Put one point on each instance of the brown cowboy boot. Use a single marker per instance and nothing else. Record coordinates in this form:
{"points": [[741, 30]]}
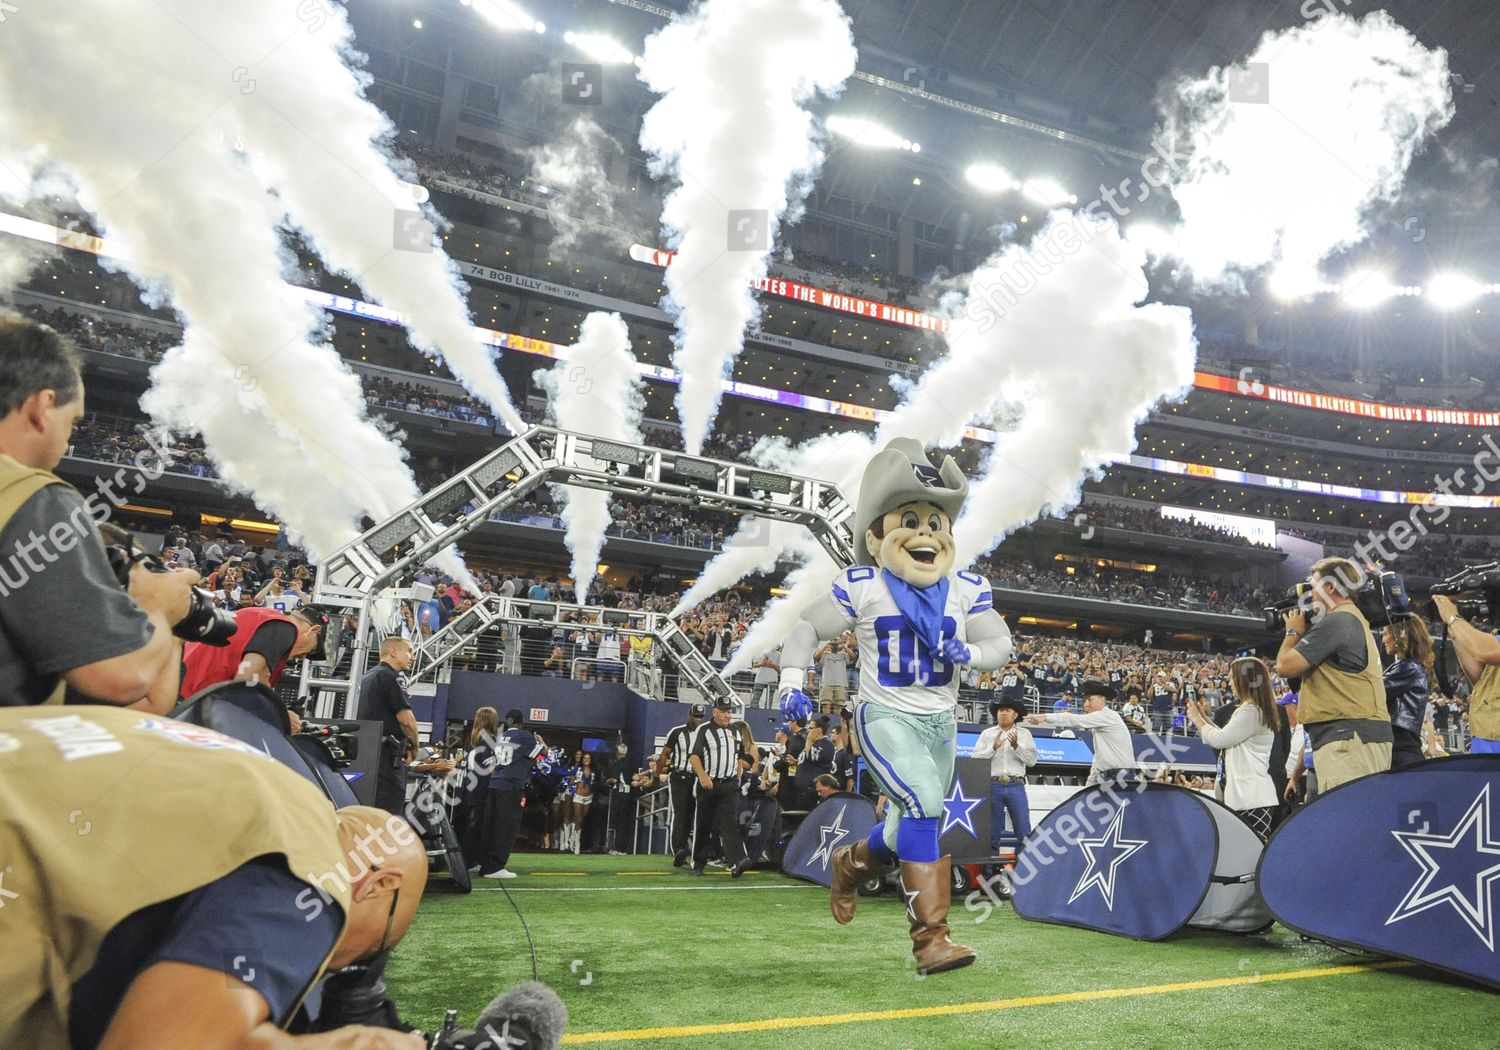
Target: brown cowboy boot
{"points": [[851, 865], [929, 888]]}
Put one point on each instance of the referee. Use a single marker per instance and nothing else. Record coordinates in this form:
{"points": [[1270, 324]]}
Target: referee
{"points": [[675, 751], [715, 756]]}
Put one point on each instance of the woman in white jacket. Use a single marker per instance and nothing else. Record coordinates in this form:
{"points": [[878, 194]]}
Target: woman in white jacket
{"points": [[1246, 742]]}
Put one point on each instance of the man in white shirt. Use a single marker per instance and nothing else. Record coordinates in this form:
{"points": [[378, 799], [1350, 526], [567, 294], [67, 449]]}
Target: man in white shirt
{"points": [[767, 675], [1134, 712], [1113, 751], [1011, 751]]}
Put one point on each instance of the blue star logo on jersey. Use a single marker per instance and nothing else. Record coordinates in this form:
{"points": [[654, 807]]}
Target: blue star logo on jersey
{"points": [[1105, 855], [958, 810], [1452, 867], [832, 834]]}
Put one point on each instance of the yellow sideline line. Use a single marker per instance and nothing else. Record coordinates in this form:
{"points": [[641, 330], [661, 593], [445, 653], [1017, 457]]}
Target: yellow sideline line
{"points": [[824, 1020]]}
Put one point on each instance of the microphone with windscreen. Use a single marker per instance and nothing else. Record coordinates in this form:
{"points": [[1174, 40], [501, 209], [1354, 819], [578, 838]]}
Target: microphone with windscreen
{"points": [[529, 1016]]}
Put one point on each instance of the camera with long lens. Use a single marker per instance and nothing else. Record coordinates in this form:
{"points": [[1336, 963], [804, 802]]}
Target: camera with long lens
{"points": [[205, 622], [1480, 584], [1382, 599], [338, 739]]}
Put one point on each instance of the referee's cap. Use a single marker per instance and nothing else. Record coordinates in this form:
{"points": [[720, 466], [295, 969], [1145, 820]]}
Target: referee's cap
{"points": [[723, 704], [697, 711]]}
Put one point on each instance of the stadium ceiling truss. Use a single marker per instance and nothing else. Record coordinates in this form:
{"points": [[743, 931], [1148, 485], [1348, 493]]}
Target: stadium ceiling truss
{"points": [[354, 576]]}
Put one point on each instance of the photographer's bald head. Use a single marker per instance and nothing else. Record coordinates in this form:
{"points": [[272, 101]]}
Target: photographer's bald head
{"points": [[174, 887]]}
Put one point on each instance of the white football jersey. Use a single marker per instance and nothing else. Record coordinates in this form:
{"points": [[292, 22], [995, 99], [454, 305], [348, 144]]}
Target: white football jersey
{"points": [[895, 669]]}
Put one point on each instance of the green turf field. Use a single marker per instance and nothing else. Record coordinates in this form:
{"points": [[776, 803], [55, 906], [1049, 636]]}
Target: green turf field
{"points": [[632, 944]]}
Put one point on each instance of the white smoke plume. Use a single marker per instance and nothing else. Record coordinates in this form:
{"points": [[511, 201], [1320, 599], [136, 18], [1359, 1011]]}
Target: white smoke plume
{"points": [[595, 389], [572, 168], [731, 130], [1058, 326], [147, 122], [1081, 350], [1290, 149]]}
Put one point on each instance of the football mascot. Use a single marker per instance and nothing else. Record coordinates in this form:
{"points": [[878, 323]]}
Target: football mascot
{"points": [[916, 625]]}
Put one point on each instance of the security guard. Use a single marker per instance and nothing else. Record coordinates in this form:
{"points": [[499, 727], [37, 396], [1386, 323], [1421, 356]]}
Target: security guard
{"points": [[141, 909], [674, 756], [382, 698]]}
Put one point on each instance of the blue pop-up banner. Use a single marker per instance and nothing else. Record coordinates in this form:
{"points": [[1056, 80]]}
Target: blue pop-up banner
{"points": [[1404, 863]]}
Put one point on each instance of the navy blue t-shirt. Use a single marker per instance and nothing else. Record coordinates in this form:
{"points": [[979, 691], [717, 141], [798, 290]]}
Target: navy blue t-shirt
{"points": [[258, 924], [817, 760], [514, 750]]}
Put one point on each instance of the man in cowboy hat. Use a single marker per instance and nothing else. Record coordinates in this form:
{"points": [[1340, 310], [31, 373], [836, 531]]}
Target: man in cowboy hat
{"points": [[915, 626], [1011, 751], [1113, 751]]}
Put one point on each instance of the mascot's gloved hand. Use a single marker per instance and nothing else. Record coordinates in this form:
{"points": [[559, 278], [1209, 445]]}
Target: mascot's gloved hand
{"points": [[795, 706], [956, 652]]}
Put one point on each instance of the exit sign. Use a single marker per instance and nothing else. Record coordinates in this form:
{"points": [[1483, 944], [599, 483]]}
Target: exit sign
{"points": [[538, 714]]}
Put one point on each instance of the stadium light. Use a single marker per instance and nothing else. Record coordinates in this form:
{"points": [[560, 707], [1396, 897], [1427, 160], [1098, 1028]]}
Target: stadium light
{"points": [[1295, 282], [1447, 290], [990, 178], [505, 15], [1047, 193], [601, 48], [1367, 289], [867, 133]]}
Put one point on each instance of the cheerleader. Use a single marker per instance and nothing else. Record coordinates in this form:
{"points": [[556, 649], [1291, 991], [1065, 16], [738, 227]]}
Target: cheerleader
{"points": [[577, 801]]}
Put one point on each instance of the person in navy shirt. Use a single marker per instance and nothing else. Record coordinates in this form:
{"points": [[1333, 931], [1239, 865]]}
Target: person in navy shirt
{"points": [[515, 749]]}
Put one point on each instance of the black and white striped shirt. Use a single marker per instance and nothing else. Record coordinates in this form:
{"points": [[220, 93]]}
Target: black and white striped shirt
{"points": [[679, 744], [719, 747]]}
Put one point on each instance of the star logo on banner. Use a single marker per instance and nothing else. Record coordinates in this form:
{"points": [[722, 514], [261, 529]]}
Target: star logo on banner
{"points": [[1105, 855], [833, 834], [958, 810], [1451, 866]]}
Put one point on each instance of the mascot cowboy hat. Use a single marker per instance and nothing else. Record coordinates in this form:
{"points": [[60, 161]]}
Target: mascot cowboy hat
{"points": [[901, 473]]}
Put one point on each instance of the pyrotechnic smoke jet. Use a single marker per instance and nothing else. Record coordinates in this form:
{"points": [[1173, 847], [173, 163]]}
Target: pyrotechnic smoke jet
{"points": [[731, 129], [1288, 152], [192, 133], [595, 389], [1059, 326]]}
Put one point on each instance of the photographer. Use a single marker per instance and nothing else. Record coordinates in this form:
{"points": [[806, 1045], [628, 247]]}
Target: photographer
{"points": [[116, 647], [263, 643], [1342, 697], [1479, 653], [186, 922]]}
